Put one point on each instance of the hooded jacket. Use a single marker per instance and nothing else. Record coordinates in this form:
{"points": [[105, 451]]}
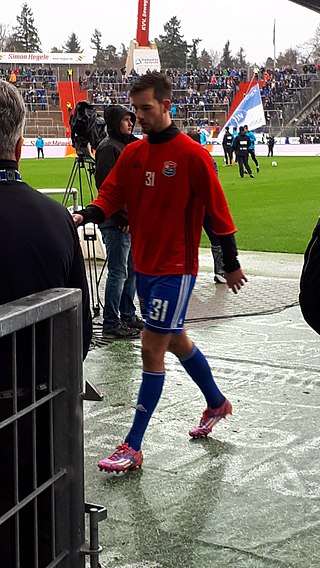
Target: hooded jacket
{"points": [[109, 151]]}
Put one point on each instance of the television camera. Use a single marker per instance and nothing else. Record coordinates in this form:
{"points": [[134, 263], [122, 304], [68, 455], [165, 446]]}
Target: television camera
{"points": [[87, 129]]}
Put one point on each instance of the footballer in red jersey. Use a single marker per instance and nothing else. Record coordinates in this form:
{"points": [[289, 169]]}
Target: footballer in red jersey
{"points": [[166, 180]]}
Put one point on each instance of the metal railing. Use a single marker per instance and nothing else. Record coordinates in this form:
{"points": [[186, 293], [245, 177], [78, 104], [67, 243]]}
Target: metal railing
{"points": [[47, 131], [42, 507]]}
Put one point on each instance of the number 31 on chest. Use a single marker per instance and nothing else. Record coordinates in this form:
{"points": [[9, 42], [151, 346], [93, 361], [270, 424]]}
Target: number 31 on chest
{"points": [[150, 178]]}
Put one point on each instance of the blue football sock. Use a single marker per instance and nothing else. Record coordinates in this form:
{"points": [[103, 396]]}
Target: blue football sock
{"points": [[148, 397], [198, 368]]}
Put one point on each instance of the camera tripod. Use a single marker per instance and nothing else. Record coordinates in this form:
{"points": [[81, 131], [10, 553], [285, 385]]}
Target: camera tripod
{"points": [[82, 172]]}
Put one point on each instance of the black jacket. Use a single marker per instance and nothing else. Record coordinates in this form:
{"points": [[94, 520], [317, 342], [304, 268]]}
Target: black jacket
{"points": [[241, 144], [227, 140], [271, 142], [108, 153], [40, 249]]}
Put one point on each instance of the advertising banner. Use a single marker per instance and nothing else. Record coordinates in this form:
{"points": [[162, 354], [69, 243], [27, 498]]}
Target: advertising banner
{"points": [[143, 23], [53, 148], [146, 60], [14, 57]]}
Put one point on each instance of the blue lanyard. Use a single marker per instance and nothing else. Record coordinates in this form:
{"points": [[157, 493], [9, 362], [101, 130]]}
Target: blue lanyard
{"points": [[10, 175]]}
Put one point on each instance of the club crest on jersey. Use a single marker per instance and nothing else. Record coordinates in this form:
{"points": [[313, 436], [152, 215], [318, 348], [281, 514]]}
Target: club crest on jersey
{"points": [[169, 169]]}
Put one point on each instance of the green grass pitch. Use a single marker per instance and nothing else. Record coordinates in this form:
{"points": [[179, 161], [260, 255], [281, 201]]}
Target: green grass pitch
{"points": [[274, 212]]}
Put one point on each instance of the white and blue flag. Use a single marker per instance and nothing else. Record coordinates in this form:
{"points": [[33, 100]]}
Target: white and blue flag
{"points": [[250, 112]]}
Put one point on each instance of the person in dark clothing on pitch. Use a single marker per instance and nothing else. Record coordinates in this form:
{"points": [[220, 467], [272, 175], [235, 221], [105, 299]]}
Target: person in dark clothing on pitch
{"points": [[270, 145], [251, 149], [40, 250], [227, 146], [234, 135], [119, 315], [241, 145]]}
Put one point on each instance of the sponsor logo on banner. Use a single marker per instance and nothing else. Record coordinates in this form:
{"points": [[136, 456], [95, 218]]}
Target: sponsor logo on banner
{"points": [[146, 60]]}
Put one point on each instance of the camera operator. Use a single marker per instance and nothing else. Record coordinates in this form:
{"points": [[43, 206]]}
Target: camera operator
{"points": [[119, 314]]}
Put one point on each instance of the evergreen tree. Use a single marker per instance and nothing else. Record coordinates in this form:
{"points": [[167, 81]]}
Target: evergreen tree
{"points": [[25, 35], [194, 58], [240, 59], [171, 45], [72, 44], [111, 55], [205, 60], [226, 59]]}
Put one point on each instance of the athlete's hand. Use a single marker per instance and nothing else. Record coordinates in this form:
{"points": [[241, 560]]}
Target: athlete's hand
{"points": [[77, 218], [236, 279]]}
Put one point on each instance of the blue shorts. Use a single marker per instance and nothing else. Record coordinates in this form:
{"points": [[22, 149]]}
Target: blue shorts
{"points": [[164, 300]]}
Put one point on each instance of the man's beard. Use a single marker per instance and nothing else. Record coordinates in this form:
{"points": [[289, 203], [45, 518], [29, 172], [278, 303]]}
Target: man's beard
{"points": [[146, 128]]}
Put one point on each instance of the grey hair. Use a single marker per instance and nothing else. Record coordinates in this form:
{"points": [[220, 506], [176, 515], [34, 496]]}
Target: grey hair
{"points": [[12, 118]]}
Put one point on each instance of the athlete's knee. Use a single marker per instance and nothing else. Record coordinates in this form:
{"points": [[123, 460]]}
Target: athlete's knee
{"points": [[153, 351], [152, 358], [180, 345]]}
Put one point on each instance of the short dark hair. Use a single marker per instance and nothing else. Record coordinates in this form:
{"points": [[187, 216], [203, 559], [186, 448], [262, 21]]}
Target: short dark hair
{"points": [[159, 82]]}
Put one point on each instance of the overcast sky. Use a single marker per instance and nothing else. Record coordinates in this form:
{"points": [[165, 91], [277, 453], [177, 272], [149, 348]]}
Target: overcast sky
{"points": [[245, 24]]}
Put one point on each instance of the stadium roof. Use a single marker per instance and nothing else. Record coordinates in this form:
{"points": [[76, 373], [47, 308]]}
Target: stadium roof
{"points": [[311, 4]]}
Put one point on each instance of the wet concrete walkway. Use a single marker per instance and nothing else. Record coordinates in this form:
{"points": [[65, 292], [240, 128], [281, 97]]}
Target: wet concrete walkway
{"points": [[247, 497]]}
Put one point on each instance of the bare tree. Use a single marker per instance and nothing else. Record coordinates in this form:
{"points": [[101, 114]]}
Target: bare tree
{"points": [[287, 58], [309, 51], [215, 57], [5, 34]]}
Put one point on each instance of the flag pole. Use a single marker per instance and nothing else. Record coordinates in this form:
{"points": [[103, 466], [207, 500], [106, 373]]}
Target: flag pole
{"points": [[274, 44]]}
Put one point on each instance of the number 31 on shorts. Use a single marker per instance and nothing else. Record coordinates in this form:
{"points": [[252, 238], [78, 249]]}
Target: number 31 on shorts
{"points": [[159, 309]]}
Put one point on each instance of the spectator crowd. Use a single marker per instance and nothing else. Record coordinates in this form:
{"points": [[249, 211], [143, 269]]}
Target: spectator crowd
{"points": [[200, 96]]}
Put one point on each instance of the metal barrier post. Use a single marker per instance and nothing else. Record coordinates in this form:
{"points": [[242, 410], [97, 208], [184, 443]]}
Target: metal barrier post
{"points": [[96, 515], [61, 191], [52, 511]]}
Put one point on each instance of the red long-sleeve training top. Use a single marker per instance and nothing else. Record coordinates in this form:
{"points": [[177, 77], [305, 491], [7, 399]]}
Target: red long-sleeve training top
{"points": [[166, 187]]}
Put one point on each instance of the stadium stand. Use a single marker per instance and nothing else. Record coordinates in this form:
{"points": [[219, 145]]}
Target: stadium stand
{"points": [[201, 97], [288, 96], [39, 89]]}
